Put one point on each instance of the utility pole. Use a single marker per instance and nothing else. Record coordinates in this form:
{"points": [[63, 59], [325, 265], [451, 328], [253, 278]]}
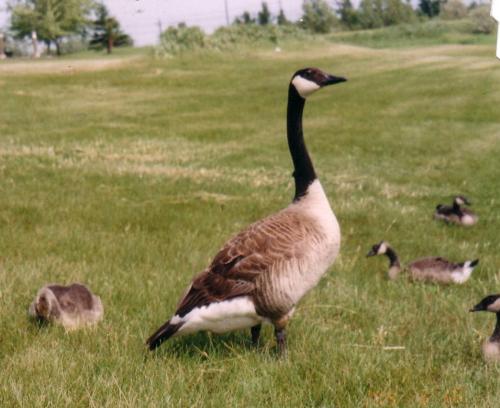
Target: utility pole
{"points": [[2, 46], [160, 29], [227, 12]]}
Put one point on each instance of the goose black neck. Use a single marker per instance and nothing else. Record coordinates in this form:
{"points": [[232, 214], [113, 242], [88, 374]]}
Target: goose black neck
{"points": [[303, 170], [393, 257], [456, 208], [496, 333]]}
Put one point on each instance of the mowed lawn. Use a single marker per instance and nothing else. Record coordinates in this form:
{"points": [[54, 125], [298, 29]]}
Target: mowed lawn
{"points": [[129, 174]]}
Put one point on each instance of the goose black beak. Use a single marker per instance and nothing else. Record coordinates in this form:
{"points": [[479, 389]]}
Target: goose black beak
{"points": [[371, 253], [477, 308], [331, 80]]}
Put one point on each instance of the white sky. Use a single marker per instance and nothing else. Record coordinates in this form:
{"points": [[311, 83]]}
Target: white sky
{"points": [[140, 18]]}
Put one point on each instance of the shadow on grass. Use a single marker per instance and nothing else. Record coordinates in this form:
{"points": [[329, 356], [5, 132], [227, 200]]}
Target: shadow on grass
{"points": [[205, 345]]}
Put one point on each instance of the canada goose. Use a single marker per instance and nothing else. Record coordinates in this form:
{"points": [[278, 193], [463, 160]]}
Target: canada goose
{"points": [[432, 269], [456, 213], [491, 347], [261, 273], [71, 306]]}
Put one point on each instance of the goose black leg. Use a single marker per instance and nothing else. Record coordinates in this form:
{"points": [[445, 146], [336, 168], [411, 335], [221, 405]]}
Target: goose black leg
{"points": [[281, 340], [256, 334]]}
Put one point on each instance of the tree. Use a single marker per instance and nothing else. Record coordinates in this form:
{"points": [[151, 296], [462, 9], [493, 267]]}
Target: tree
{"points": [[348, 15], [264, 16], [318, 16], [397, 12], [49, 20], [107, 31], [371, 14], [430, 8], [453, 10], [481, 20], [281, 19], [245, 18]]}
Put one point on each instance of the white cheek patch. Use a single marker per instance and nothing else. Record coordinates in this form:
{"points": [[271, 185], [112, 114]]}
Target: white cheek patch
{"points": [[382, 249], [495, 306], [304, 87]]}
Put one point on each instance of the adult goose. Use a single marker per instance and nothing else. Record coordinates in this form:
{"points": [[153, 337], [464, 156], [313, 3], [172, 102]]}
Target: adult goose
{"points": [[71, 306], [491, 347], [432, 269], [261, 273], [456, 213]]}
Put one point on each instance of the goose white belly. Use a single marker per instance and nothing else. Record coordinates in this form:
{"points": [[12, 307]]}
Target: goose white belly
{"points": [[467, 219], [220, 317], [491, 351]]}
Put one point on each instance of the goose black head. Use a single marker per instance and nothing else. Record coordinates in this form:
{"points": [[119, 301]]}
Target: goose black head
{"points": [[490, 303], [378, 249], [461, 200], [308, 80]]}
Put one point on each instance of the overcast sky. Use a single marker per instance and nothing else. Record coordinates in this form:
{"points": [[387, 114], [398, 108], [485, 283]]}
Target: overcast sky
{"points": [[142, 18]]}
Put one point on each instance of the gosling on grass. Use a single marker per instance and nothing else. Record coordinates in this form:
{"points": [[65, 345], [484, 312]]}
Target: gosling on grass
{"points": [[456, 213], [72, 306], [431, 269], [491, 347]]}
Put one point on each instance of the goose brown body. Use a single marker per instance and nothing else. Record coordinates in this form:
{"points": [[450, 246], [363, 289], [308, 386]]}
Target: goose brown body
{"points": [[269, 261], [434, 269]]}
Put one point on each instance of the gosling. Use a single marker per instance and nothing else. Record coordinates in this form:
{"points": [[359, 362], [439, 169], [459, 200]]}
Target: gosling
{"points": [[432, 269], [456, 213], [72, 306], [491, 347]]}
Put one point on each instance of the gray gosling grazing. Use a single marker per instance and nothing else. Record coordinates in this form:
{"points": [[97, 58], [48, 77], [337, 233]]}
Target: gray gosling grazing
{"points": [[456, 213], [432, 269], [262, 273], [71, 306], [491, 347]]}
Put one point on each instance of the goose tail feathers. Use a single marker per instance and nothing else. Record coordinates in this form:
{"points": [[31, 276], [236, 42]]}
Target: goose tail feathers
{"points": [[163, 333], [472, 264]]}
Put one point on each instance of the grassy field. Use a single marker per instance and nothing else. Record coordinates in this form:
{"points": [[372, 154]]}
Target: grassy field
{"points": [[129, 175]]}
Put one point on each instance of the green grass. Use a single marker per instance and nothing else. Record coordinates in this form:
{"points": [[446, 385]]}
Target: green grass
{"points": [[129, 177]]}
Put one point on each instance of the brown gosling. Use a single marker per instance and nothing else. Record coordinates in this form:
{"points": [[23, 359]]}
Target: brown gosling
{"points": [[456, 213], [491, 347], [72, 306], [431, 269]]}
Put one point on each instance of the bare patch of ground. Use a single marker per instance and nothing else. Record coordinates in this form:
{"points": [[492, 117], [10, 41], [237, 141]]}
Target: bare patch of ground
{"points": [[67, 67]]}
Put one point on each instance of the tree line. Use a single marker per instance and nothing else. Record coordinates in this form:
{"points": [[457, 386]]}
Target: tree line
{"points": [[55, 22], [321, 16]]}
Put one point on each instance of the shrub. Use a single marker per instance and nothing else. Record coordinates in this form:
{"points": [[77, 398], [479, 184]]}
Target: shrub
{"points": [[231, 37], [453, 10], [318, 16], [175, 40], [481, 20]]}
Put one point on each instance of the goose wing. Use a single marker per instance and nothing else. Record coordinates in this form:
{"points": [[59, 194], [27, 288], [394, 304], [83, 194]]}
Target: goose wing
{"points": [[253, 252], [445, 210], [434, 263]]}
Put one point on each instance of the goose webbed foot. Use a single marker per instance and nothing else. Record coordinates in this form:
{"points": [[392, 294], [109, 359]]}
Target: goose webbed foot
{"points": [[255, 330]]}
